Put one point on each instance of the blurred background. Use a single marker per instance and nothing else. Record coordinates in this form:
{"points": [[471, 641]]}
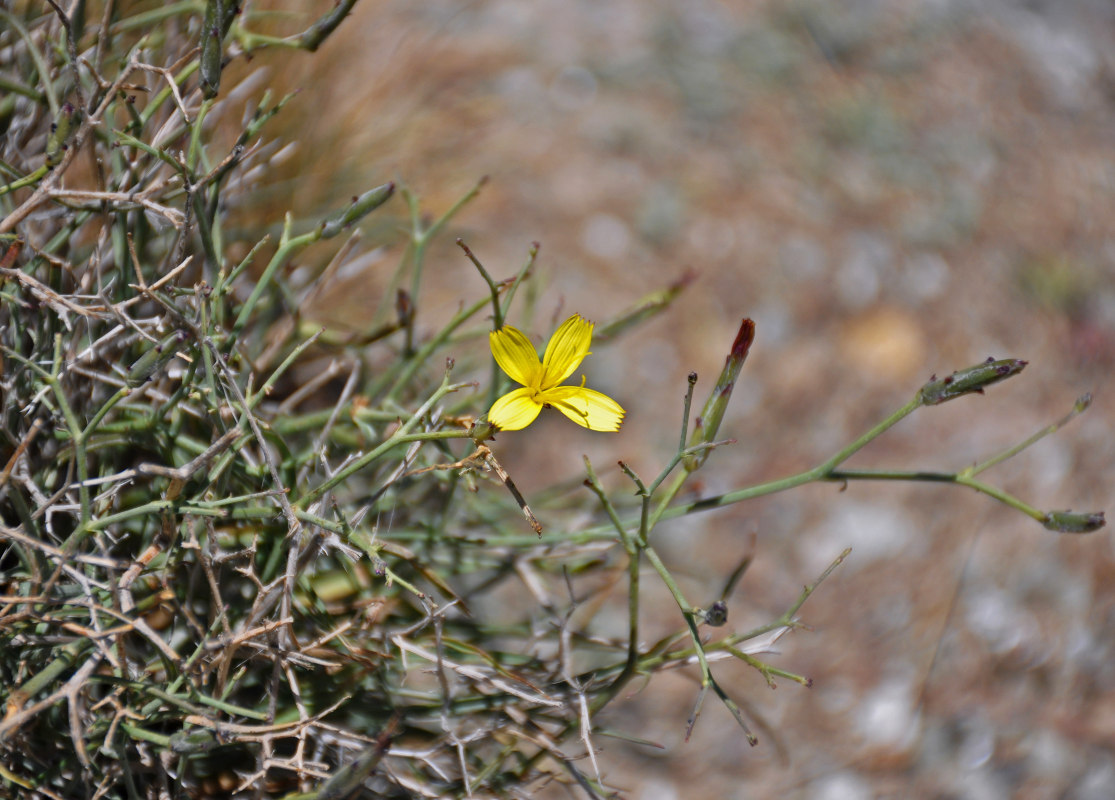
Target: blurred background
{"points": [[891, 189]]}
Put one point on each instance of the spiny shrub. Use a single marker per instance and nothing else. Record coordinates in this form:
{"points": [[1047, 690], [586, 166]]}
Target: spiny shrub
{"points": [[239, 555]]}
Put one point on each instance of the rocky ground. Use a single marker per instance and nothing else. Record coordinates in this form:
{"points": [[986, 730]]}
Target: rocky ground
{"points": [[891, 190]]}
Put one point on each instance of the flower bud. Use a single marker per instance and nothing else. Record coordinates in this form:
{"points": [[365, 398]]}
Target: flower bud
{"points": [[361, 206], [968, 381], [704, 430], [481, 430], [197, 740], [64, 126], [155, 358], [717, 614], [214, 27], [209, 65], [1073, 522]]}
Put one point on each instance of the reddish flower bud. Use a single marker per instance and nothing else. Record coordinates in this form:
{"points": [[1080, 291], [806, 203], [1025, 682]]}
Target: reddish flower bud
{"points": [[704, 431]]}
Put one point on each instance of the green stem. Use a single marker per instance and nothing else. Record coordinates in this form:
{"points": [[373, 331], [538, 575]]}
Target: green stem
{"points": [[422, 356], [145, 19], [287, 246], [420, 239], [823, 471], [40, 680], [36, 58], [289, 361], [958, 478], [26, 180], [493, 289], [787, 619], [1078, 408], [401, 436]]}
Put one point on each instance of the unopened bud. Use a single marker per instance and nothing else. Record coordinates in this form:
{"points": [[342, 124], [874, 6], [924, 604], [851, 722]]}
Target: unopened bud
{"points": [[404, 307], [209, 66], [361, 206], [970, 380], [1073, 522], [195, 741], [346, 781], [214, 27], [64, 126], [704, 431], [481, 431], [717, 614], [155, 358]]}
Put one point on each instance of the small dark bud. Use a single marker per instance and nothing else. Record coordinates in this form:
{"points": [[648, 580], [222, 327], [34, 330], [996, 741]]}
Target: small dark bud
{"points": [[1071, 522], [969, 381], [404, 308], [717, 614], [692, 378]]}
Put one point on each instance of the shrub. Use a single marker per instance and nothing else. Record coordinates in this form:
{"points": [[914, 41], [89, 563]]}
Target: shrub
{"points": [[239, 555]]}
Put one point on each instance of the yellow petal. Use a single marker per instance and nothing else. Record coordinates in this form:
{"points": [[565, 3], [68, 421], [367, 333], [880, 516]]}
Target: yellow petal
{"points": [[515, 410], [516, 356], [587, 407], [566, 350]]}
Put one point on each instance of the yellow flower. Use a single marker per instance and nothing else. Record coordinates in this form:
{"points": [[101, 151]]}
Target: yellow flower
{"points": [[540, 379]]}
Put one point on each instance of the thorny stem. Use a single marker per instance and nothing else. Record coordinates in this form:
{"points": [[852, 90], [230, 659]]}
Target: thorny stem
{"points": [[497, 314], [420, 358], [633, 549], [420, 239], [287, 246], [399, 437], [498, 311]]}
